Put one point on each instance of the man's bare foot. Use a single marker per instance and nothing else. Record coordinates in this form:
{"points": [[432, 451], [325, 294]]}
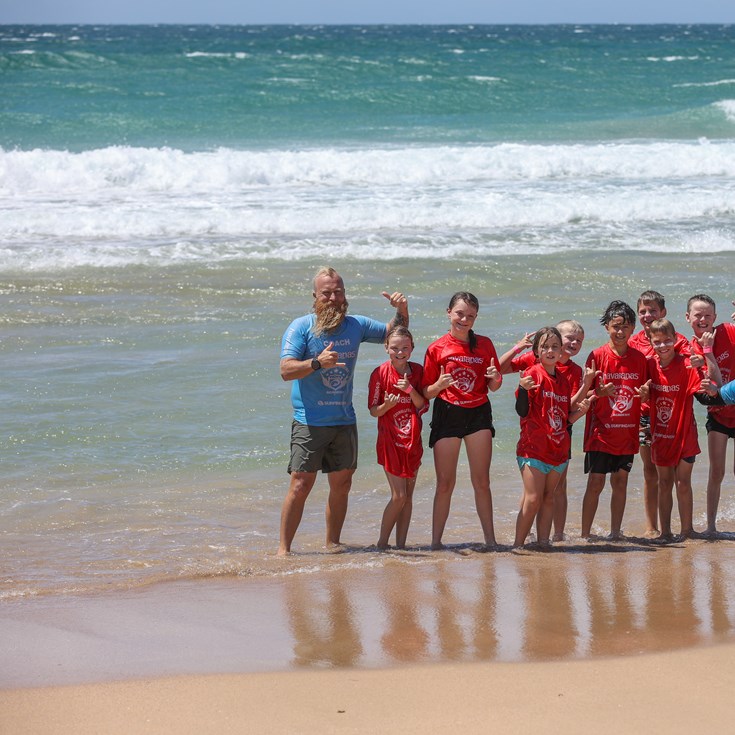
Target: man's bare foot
{"points": [[438, 546], [558, 537], [652, 533]]}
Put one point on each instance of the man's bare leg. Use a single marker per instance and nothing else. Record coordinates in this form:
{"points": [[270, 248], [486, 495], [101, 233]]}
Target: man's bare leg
{"points": [[293, 507], [340, 483]]}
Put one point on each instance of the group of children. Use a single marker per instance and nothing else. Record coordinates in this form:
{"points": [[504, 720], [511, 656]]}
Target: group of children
{"points": [[636, 391]]}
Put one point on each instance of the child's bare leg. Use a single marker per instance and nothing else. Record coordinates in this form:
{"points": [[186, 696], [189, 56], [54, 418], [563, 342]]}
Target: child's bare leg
{"points": [[393, 509], [560, 506], [534, 482], [479, 446], [650, 491], [717, 448], [404, 518], [684, 497], [619, 485], [546, 512], [665, 499], [446, 455], [595, 486]]}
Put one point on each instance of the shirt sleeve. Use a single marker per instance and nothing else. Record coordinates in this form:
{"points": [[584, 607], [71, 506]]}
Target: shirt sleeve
{"points": [[728, 392], [295, 339]]}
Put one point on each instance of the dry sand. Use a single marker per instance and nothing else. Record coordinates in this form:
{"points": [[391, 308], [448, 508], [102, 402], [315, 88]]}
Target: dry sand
{"points": [[679, 692], [600, 638]]}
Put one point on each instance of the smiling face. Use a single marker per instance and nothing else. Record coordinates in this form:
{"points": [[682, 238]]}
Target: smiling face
{"points": [[619, 330], [571, 341], [330, 302], [701, 316], [549, 351], [663, 341], [461, 319], [648, 312], [399, 350], [329, 289]]}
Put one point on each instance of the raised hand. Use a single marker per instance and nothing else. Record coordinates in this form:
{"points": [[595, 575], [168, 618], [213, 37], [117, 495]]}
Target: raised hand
{"points": [[492, 373], [707, 340], [397, 299], [404, 384], [644, 392], [329, 358], [444, 381], [695, 361], [524, 344], [390, 400], [708, 386], [527, 382], [590, 374], [585, 404], [606, 390]]}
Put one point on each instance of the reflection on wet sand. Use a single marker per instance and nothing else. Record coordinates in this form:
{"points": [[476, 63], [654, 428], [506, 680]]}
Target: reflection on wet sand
{"points": [[323, 623], [514, 606]]}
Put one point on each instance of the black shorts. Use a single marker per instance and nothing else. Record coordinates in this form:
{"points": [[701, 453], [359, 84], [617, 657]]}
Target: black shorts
{"points": [[449, 420], [603, 463], [714, 425]]}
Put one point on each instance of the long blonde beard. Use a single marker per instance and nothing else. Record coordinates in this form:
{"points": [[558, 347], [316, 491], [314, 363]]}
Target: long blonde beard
{"points": [[328, 316]]}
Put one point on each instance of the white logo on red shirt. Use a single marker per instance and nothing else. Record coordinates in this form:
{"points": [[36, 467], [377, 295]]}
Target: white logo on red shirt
{"points": [[556, 420], [664, 410], [465, 379], [402, 420], [622, 401]]}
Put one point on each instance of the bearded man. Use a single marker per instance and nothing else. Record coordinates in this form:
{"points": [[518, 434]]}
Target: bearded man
{"points": [[319, 353]]}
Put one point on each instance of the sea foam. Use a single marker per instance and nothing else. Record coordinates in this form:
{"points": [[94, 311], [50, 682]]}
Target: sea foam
{"points": [[117, 206]]}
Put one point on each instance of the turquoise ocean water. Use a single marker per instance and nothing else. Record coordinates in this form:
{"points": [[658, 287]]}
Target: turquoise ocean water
{"points": [[167, 192]]}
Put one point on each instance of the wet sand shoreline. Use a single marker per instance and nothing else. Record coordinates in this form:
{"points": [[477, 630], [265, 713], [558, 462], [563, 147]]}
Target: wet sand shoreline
{"points": [[589, 600]]}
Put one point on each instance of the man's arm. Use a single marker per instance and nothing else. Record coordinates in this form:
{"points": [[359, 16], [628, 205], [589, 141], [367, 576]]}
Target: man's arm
{"points": [[295, 369], [400, 303]]}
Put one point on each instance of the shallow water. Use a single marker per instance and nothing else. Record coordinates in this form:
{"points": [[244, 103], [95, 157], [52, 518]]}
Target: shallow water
{"points": [[162, 216]]}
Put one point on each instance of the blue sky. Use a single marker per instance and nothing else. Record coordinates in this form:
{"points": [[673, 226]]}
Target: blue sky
{"points": [[367, 11]]}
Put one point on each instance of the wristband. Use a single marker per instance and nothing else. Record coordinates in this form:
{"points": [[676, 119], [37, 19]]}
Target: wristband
{"points": [[707, 350], [517, 349], [407, 390]]}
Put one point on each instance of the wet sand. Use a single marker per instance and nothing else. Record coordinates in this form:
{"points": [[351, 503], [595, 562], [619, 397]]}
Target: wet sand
{"points": [[454, 637]]}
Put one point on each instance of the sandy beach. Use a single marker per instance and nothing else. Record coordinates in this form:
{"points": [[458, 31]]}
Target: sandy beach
{"points": [[667, 692], [609, 636]]}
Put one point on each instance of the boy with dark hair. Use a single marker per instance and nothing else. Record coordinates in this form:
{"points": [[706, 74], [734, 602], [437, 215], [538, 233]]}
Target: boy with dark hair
{"points": [[611, 429]]}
